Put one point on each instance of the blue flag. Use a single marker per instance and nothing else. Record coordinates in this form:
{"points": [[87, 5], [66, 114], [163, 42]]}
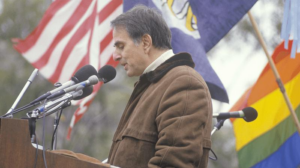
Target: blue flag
{"points": [[197, 26]]}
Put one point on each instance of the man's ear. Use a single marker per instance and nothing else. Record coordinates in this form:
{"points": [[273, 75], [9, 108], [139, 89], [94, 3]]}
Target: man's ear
{"points": [[147, 43]]}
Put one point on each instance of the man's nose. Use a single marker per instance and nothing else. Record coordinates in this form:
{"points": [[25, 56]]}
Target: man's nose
{"points": [[116, 56]]}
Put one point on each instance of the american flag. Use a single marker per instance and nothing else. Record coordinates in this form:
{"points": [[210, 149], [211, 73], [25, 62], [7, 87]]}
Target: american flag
{"points": [[71, 34]]}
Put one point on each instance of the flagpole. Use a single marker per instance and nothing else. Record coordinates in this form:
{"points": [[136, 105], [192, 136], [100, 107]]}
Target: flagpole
{"points": [[277, 76]]}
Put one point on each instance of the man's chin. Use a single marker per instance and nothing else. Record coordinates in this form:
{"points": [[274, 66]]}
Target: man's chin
{"points": [[130, 74]]}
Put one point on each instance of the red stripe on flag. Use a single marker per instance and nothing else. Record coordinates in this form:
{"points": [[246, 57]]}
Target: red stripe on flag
{"points": [[69, 133], [79, 114], [84, 61], [112, 62], [279, 54], [103, 14], [32, 38], [107, 39], [103, 44], [69, 25], [87, 25], [109, 9]]}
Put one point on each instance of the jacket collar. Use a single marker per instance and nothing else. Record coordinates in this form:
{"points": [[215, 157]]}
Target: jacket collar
{"points": [[177, 60]]}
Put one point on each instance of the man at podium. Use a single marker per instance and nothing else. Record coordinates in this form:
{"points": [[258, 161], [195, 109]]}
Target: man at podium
{"points": [[167, 120]]}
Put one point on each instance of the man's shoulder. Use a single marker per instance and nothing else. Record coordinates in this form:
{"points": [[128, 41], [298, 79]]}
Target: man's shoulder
{"points": [[184, 74], [183, 71]]}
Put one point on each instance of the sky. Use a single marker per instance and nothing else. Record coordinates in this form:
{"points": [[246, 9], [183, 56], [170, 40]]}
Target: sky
{"points": [[236, 62]]}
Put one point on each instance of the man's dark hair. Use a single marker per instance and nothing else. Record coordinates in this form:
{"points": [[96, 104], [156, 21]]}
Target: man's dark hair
{"points": [[141, 20]]}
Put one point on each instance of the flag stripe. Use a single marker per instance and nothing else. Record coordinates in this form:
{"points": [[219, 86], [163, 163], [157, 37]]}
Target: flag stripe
{"points": [[241, 103], [84, 61], [59, 28], [106, 41], [112, 62], [82, 31], [106, 49], [86, 102], [109, 9], [34, 35], [286, 75], [93, 51], [282, 132], [106, 53], [266, 121], [268, 77], [286, 156], [106, 37], [259, 90], [50, 33], [65, 30], [77, 59], [56, 55], [104, 27]]}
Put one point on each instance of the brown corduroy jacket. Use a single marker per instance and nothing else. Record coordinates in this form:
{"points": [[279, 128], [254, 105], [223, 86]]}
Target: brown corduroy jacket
{"points": [[167, 121]]}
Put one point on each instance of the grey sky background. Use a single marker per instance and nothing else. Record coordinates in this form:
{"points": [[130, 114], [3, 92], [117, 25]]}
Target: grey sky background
{"points": [[238, 62]]}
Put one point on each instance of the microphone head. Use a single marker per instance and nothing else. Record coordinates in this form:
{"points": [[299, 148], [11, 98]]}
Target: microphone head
{"points": [[250, 114], [86, 91], [107, 73], [84, 73], [93, 80]]}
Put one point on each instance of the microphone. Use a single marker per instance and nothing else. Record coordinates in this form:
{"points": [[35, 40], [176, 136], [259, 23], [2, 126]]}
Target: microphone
{"points": [[86, 91], [81, 75], [91, 81], [52, 106], [248, 114], [84, 73], [29, 81], [107, 73]]}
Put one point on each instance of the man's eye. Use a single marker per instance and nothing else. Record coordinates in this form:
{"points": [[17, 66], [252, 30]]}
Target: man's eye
{"points": [[119, 46]]}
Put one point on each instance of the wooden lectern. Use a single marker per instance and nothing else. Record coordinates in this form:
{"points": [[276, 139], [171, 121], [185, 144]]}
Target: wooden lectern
{"points": [[16, 150]]}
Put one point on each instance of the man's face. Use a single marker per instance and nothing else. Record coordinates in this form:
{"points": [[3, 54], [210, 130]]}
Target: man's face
{"points": [[132, 56]]}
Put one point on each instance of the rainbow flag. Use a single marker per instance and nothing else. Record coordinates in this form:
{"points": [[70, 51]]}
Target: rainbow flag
{"points": [[272, 139]]}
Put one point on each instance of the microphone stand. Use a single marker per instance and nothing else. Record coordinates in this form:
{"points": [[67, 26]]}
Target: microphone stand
{"points": [[218, 125], [34, 115], [32, 124], [54, 105], [29, 81], [56, 123], [48, 108]]}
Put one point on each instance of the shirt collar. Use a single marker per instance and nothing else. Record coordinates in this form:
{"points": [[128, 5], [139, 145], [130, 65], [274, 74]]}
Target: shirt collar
{"points": [[158, 61]]}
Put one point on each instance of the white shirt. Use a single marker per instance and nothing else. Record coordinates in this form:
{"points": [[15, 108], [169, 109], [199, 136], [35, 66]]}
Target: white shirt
{"points": [[161, 59]]}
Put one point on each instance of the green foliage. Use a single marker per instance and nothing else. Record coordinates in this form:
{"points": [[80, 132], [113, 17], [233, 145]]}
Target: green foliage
{"points": [[19, 18]]}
